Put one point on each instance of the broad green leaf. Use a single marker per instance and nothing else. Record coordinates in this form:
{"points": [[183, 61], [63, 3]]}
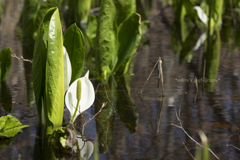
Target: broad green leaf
{"points": [[39, 63], [54, 80], [129, 36], [106, 37], [74, 44], [91, 29], [5, 97], [125, 8], [6, 62], [77, 11], [48, 69], [10, 126]]}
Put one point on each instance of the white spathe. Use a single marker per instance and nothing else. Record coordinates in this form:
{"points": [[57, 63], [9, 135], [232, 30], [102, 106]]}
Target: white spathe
{"points": [[87, 96], [67, 69]]}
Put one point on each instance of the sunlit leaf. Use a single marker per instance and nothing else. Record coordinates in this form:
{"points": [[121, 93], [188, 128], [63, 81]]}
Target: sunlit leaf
{"points": [[74, 44], [10, 126], [6, 62], [129, 36], [48, 69], [106, 37], [125, 8]]}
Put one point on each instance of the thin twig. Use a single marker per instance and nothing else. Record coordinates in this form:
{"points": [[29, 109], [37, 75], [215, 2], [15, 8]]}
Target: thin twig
{"points": [[140, 92], [21, 58], [160, 62], [181, 126], [234, 146], [104, 104], [160, 115], [188, 150], [179, 106]]}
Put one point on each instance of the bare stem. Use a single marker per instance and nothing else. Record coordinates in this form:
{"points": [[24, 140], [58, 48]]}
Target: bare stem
{"points": [[104, 104], [21, 58], [140, 92], [188, 151], [181, 126]]}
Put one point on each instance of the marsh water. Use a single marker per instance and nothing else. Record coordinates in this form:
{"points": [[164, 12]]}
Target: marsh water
{"points": [[137, 127]]}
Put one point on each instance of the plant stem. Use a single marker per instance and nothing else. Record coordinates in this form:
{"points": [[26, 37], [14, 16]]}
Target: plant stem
{"points": [[75, 111]]}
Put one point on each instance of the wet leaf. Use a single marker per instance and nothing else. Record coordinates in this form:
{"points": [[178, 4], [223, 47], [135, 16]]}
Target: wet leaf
{"points": [[48, 69], [5, 62], [10, 126], [5, 97], [74, 44], [129, 36]]}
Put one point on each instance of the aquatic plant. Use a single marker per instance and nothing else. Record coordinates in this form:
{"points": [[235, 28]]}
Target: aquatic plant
{"points": [[115, 44]]}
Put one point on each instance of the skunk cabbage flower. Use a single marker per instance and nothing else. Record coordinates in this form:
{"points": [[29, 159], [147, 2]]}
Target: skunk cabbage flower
{"points": [[67, 69], [87, 96]]}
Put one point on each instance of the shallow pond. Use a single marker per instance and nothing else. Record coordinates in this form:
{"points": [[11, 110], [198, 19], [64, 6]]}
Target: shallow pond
{"points": [[141, 126]]}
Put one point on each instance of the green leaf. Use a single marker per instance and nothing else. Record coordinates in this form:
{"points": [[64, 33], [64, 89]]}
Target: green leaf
{"points": [[125, 8], [74, 44], [77, 11], [5, 97], [91, 29], [48, 69], [106, 37], [44, 8], [10, 126], [129, 36], [28, 17], [6, 62]]}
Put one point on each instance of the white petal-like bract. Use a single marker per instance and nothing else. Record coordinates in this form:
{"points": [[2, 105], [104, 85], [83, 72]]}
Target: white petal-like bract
{"points": [[67, 69], [87, 96]]}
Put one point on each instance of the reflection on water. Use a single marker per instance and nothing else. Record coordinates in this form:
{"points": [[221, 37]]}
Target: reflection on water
{"points": [[141, 127]]}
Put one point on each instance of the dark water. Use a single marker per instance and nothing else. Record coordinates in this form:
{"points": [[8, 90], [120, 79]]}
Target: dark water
{"points": [[141, 127]]}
